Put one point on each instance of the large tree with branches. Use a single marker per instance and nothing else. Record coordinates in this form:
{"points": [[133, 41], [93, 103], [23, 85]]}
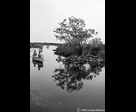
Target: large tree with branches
{"points": [[73, 31]]}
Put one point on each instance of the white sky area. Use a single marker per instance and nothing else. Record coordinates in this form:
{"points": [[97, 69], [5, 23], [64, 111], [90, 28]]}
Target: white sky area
{"points": [[46, 14]]}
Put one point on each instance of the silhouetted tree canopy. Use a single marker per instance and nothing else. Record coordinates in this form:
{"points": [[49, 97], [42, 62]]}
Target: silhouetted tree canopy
{"points": [[73, 31]]}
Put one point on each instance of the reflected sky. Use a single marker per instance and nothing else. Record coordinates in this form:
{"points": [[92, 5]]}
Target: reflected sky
{"points": [[44, 94]]}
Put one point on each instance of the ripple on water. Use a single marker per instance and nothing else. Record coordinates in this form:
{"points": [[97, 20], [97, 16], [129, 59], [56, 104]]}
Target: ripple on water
{"points": [[43, 99]]}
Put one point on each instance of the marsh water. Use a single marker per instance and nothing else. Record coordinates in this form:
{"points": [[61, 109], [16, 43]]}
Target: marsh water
{"points": [[46, 95]]}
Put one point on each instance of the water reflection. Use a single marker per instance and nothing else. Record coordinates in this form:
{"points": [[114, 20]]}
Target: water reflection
{"points": [[38, 64], [45, 96], [74, 71], [47, 47]]}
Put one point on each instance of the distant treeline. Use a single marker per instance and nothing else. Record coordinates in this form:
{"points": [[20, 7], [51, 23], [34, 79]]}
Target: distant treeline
{"points": [[40, 44]]}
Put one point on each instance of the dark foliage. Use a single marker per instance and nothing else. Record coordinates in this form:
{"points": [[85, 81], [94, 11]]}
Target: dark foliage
{"points": [[75, 70], [67, 50]]}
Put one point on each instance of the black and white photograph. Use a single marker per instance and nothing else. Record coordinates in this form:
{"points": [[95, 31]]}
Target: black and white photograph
{"points": [[67, 55]]}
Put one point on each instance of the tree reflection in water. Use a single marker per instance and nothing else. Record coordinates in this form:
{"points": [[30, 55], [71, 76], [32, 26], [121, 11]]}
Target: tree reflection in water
{"points": [[75, 70]]}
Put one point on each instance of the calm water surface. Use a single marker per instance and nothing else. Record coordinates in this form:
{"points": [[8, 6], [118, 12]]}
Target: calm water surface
{"points": [[45, 96]]}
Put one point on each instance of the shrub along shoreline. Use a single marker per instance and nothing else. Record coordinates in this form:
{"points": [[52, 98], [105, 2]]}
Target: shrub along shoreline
{"points": [[87, 53], [67, 50]]}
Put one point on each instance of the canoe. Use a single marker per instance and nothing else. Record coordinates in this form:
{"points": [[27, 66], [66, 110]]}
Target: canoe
{"points": [[38, 59], [40, 64]]}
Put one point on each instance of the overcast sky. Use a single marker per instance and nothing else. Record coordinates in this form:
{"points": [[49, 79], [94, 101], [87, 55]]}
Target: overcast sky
{"points": [[46, 14]]}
